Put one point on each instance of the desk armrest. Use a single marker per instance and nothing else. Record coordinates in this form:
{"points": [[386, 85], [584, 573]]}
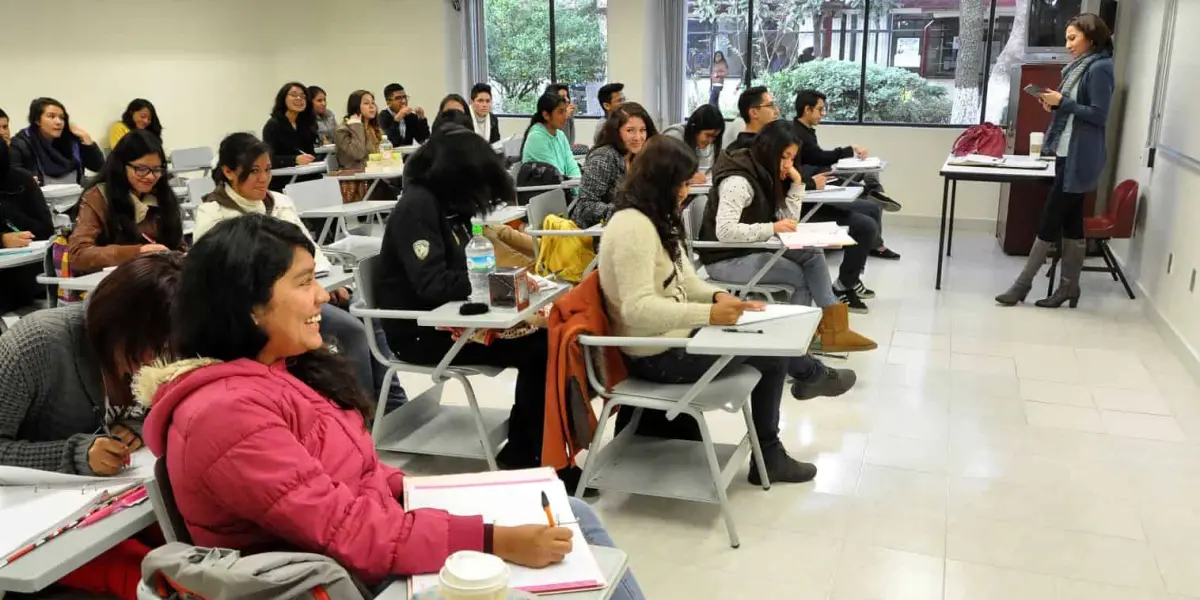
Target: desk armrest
{"points": [[358, 310], [564, 232], [633, 342], [773, 244]]}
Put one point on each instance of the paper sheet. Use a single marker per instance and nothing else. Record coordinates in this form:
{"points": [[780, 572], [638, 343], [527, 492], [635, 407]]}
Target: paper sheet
{"points": [[817, 235], [515, 503], [774, 311], [141, 467], [871, 162]]}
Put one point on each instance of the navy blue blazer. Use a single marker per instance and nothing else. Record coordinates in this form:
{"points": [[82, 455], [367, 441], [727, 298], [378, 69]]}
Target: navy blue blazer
{"points": [[1086, 151]]}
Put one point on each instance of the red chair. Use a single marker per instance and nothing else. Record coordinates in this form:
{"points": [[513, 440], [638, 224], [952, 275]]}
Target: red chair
{"points": [[1116, 223]]}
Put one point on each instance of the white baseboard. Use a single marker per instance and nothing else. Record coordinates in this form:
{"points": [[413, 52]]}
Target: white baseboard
{"points": [[1188, 355], [932, 221]]}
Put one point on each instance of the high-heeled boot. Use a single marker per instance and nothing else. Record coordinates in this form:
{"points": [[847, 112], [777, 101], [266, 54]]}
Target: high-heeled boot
{"points": [[1073, 252], [1020, 288]]}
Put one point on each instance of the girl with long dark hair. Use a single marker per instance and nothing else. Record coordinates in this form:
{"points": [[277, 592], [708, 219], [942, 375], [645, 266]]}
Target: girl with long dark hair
{"points": [[359, 135], [129, 209], [702, 132], [545, 141], [623, 135], [140, 114], [291, 132], [651, 290], [24, 217], [327, 122], [53, 149]]}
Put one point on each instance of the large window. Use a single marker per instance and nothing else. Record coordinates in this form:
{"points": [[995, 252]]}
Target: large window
{"points": [[519, 33], [927, 62]]}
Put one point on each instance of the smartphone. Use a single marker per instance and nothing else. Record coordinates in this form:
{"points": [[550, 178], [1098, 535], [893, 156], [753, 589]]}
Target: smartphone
{"points": [[1034, 90]]}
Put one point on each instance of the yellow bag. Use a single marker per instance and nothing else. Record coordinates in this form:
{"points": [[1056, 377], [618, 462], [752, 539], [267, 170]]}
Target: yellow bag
{"points": [[563, 257]]}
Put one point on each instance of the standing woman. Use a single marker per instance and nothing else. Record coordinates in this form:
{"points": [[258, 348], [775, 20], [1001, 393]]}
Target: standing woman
{"points": [[720, 69], [290, 132], [53, 149], [129, 210], [326, 121], [545, 141], [1075, 139], [24, 217], [623, 135], [486, 123], [702, 132], [140, 114]]}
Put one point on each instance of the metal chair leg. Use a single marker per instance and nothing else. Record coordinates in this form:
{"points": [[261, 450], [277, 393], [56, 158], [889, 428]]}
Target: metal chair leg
{"points": [[489, 452], [589, 467], [1117, 268], [714, 469]]}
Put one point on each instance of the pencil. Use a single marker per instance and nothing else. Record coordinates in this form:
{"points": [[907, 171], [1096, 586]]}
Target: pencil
{"points": [[149, 239], [546, 508]]}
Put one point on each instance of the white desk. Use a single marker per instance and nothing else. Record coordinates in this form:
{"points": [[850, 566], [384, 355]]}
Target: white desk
{"points": [[787, 336], [323, 150], [613, 563], [373, 176], [952, 174], [854, 175], [58, 557], [297, 171], [502, 215], [567, 184], [29, 256], [338, 213], [406, 150], [337, 277]]}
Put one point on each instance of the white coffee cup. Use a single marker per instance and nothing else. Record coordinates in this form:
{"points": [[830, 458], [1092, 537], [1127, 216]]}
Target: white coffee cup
{"points": [[1036, 139], [471, 575]]}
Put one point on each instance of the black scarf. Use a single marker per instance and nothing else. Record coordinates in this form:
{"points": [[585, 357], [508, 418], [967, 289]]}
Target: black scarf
{"points": [[51, 162]]}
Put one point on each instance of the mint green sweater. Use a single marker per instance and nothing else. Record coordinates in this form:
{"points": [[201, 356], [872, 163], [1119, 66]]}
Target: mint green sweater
{"points": [[555, 150]]}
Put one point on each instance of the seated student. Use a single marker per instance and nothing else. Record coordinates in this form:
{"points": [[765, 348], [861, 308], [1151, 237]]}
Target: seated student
{"points": [[64, 386], [651, 290], [810, 109], [262, 408], [450, 115], [757, 193], [485, 123], [128, 210], [5, 133], [611, 96], [702, 133], [453, 102], [622, 136], [24, 217], [327, 122], [561, 89], [404, 125], [359, 137], [241, 176], [290, 133], [53, 149], [545, 141], [455, 177], [140, 114], [757, 108]]}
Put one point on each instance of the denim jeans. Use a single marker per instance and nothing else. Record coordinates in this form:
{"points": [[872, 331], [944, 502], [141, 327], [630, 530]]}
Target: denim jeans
{"points": [[347, 332], [595, 534], [804, 270]]}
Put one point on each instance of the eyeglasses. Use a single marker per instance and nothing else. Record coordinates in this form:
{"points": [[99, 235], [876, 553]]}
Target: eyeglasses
{"points": [[144, 171], [297, 96]]}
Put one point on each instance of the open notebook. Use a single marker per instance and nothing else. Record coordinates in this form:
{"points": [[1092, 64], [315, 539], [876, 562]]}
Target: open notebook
{"points": [[510, 498], [824, 234], [30, 513]]}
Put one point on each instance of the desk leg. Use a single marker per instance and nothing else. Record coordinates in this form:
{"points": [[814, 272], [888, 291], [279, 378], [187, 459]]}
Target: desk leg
{"points": [[812, 211], [753, 281], [293, 179], [942, 231], [438, 374], [950, 223], [370, 188], [325, 230]]}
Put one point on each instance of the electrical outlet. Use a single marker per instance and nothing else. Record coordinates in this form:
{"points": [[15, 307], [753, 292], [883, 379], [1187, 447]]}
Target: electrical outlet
{"points": [[1170, 259]]}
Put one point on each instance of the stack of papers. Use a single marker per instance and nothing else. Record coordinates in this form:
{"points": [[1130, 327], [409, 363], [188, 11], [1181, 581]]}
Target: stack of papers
{"points": [[817, 235], [511, 498], [774, 311], [858, 164], [1007, 162]]}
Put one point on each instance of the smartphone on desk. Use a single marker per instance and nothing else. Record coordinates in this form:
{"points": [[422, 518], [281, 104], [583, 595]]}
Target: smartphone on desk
{"points": [[1034, 90]]}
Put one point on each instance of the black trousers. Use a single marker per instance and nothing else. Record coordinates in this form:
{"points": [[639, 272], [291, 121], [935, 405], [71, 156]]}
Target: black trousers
{"points": [[19, 286], [1063, 214], [529, 355], [862, 228], [677, 366]]}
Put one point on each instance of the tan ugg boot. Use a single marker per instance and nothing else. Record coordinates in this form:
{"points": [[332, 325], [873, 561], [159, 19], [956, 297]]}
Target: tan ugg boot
{"points": [[834, 333]]}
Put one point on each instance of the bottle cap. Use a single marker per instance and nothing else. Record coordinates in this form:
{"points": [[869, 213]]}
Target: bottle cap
{"points": [[477, 229]]}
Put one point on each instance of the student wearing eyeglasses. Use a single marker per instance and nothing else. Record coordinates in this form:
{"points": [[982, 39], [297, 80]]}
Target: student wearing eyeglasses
{"points": [[757, 108], [129, 210]]}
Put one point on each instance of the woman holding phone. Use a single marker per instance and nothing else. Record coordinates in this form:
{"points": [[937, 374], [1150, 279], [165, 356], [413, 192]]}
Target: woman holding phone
{"points": [[1075, 138]]}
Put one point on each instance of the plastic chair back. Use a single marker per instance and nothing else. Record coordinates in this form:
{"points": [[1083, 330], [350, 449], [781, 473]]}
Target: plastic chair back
{"points": [[199, 187], [553, 202], [318, 193], [693, 216], [162, 498], [192, 159], [1122, 208], [364, 281]]}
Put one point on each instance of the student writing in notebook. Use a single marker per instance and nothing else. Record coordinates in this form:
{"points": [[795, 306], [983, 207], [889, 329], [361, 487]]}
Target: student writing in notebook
{"points": [[758, 193], [263, 427], [291, 132], [24, 218]]}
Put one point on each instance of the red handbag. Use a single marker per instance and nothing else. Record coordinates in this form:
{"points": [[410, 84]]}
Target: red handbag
{"points": [[986, 139]]}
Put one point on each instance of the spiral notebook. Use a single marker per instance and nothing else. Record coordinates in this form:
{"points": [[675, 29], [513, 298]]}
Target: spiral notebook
{"points": [[511, 498]]}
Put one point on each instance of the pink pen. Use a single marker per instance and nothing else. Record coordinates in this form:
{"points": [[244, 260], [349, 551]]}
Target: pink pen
{"points": [[128, 500]]}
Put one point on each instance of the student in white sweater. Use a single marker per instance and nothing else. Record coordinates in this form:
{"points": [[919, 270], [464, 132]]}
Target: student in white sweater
{"points": [[651, 290], [243, 177]]}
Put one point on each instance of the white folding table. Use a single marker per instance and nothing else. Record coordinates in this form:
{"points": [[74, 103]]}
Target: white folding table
{"points": [[373, 176], [337, 277], [297, 171], [338, 213]]}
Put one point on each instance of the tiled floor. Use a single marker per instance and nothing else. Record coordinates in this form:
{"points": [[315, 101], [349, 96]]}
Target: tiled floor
{"points": [[986, 453]]}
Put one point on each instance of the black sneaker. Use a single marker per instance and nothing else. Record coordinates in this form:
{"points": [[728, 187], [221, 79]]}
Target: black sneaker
{"points": [[831, 383], [862, 291], [888, 204], [884, 253], [781, 468], [851, 300]]}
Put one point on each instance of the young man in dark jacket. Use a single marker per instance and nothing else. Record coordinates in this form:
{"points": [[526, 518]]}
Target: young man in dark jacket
{"points": [[402, 123], [810, 109], [757, 109]]}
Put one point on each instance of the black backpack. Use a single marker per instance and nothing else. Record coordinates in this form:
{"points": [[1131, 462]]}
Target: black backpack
{"points": [[533, 174]]}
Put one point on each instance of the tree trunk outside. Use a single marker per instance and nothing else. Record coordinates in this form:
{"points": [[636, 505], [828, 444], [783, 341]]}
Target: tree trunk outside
{"points": [[1000, 82], [969, 67]]}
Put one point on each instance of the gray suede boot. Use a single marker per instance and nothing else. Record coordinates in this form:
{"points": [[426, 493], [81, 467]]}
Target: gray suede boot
{"points": [[1073, 253], [1020, 288]]}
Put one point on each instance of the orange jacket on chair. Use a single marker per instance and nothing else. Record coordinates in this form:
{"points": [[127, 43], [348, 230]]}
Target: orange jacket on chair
{"points": [[570, 422]]}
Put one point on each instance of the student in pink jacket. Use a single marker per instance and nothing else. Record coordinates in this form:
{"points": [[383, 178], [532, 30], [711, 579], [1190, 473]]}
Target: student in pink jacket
{"points": [[264, 434]]}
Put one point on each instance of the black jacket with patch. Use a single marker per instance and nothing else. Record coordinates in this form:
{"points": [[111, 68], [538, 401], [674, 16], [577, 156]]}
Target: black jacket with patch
{"points": [[423, 259]]}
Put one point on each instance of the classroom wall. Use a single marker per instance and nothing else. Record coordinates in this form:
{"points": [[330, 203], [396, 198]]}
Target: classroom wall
{"points": [[1168, 213]]}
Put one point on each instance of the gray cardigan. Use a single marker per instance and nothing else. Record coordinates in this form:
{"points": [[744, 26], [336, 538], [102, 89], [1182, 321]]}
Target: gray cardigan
{"points": [[1086, 151], [51, 393]]}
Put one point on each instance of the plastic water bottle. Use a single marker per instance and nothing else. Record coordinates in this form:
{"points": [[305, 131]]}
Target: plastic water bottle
{"points": [[385, 151], [481, 262]]}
